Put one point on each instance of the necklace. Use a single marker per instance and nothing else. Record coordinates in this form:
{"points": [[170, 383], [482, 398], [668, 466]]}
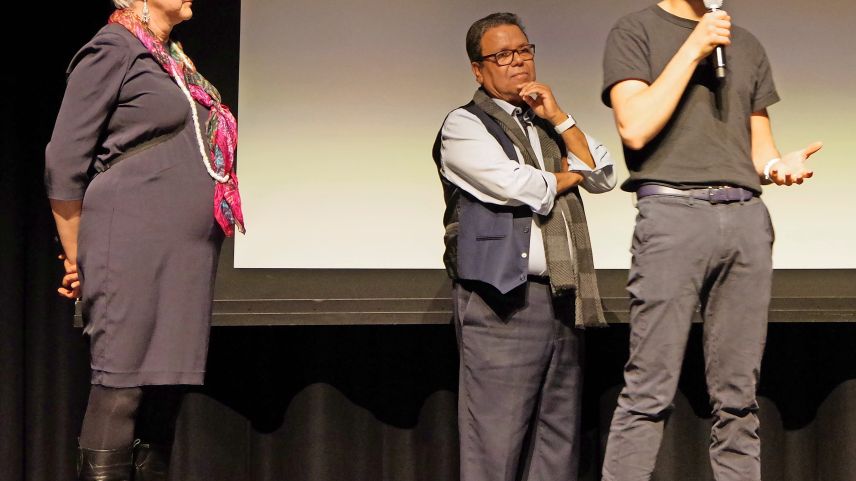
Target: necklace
{"points": [[214, 175]]}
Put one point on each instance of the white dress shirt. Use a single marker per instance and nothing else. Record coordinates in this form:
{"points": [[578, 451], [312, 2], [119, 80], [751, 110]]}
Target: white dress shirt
{"points": [[472, 159]]}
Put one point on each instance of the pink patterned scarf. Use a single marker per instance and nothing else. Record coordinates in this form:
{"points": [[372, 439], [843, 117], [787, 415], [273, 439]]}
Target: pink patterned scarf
{"points": [[222, 130]]}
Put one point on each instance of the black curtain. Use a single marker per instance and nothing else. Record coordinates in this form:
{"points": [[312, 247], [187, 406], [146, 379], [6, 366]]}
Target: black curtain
{"points": [[329, 403]]}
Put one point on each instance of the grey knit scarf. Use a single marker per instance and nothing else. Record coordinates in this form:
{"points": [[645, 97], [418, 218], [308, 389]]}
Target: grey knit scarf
{"points": [[565, 231]]}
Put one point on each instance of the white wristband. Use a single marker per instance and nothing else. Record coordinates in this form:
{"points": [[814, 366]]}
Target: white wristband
{"points": [[769, 166], [567, 124]]}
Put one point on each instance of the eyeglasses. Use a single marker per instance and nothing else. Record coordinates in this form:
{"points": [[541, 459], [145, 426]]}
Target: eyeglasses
{"points": [[505, 57]]}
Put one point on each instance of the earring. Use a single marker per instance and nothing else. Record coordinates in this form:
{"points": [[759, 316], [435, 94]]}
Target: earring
{"points": [[146, 16]]}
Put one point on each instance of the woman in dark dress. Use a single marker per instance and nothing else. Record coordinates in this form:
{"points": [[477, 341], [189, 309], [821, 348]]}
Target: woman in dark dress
{"points": [[140, 176]]}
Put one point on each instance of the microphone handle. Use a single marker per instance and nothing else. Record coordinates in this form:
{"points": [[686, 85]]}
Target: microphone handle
{"points": [[719, 59], [719, 65]]}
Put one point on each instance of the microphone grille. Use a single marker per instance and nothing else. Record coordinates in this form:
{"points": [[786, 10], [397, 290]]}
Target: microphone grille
{"points": [[713, 4]]}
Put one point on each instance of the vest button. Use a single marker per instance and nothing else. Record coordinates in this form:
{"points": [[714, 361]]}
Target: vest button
{"points": [[524, 255], [526, 230]]}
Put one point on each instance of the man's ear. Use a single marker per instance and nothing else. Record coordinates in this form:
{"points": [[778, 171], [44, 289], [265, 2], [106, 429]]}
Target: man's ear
{"points": [[477, 72]]}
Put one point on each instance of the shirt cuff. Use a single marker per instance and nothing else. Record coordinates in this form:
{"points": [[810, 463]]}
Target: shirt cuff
{"points": [[601, 157], [550, 197]]}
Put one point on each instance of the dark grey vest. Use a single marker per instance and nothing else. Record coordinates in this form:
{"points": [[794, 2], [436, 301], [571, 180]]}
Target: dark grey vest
{"points": [[485, 242]]}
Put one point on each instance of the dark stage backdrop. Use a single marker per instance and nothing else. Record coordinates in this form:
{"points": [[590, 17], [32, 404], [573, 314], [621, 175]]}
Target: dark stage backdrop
{"points": [[355, 402]]}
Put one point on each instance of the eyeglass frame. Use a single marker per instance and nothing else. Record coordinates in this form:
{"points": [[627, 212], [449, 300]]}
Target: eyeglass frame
{"points": [[511, 58]]}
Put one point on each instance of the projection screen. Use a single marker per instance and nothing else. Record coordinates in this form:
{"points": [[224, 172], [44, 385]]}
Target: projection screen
{"points": [[340, 103]]}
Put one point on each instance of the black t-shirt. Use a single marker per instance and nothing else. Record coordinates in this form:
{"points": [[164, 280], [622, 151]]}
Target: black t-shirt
{"points": [[707, 141]]}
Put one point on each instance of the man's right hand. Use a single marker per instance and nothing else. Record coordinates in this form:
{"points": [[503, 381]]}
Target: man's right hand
{"points": [[713, 29]]}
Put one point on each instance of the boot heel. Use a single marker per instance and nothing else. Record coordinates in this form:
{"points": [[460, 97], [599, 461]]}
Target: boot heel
{"points": [[151, 462]]}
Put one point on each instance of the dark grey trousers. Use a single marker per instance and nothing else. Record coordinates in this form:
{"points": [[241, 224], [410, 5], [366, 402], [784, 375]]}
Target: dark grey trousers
{"points": [[520, 384], [690, 254]]}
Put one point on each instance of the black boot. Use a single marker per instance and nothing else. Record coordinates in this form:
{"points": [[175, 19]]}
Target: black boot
{"points": [[105, 464], [151, 462]]}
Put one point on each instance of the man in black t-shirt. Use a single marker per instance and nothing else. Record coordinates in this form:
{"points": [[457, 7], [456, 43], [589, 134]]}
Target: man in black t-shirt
{"points": [[697, 149]]}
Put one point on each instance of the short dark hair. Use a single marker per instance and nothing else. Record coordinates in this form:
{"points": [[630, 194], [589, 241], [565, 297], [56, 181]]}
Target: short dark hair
{"points": [[482, 25]]}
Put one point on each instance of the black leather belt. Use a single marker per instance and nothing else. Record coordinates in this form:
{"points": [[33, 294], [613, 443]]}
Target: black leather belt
{"points": [[714, 195]]}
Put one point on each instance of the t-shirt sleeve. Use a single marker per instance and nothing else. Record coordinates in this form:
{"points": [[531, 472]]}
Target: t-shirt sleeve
{"points": [[96, 75], [765, 89], [625, 57]]}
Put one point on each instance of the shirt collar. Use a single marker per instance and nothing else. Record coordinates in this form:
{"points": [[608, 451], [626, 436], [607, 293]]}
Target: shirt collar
{"points": [[525, 114]]}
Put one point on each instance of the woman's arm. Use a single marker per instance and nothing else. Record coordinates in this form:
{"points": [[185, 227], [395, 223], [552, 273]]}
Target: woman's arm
{"points": [[67, 216]]}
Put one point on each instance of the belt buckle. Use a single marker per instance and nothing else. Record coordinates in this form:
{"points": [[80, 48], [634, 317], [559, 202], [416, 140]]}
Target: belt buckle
{"points": [[711, 191]]}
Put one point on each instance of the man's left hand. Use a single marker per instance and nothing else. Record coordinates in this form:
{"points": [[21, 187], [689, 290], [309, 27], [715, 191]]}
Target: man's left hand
{"points": [[791, 169], [544, 104]]}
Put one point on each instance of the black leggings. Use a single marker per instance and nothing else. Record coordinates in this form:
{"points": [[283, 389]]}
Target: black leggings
{"points": [[116, 416]]}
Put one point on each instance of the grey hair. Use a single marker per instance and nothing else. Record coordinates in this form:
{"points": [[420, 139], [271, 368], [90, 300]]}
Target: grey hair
{"points": [[122, 3], [482, 25]]}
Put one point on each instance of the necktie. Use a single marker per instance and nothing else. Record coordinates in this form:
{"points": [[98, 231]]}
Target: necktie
{"points": [[525, 118]]}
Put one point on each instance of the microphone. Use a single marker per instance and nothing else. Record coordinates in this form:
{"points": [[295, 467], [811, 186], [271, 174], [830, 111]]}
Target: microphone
{"points": [[719, 52]]}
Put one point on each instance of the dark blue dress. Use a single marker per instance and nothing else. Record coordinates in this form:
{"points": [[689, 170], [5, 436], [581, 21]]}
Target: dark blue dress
{"points": [[148, 242]]}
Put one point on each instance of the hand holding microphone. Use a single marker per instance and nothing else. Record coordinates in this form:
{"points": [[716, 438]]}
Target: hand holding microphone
{"points": [[711, 35], [713, 6]]}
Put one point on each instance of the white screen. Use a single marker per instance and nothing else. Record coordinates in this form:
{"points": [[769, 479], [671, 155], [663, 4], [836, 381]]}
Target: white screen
{"points": [[340, 103]]}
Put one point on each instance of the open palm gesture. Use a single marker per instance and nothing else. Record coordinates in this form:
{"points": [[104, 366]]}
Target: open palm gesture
{"points": [[792, 169]]}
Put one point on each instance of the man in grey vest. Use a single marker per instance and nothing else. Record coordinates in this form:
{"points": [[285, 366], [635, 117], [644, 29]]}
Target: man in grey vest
{"points": [[698, 148], [518, 250]]}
